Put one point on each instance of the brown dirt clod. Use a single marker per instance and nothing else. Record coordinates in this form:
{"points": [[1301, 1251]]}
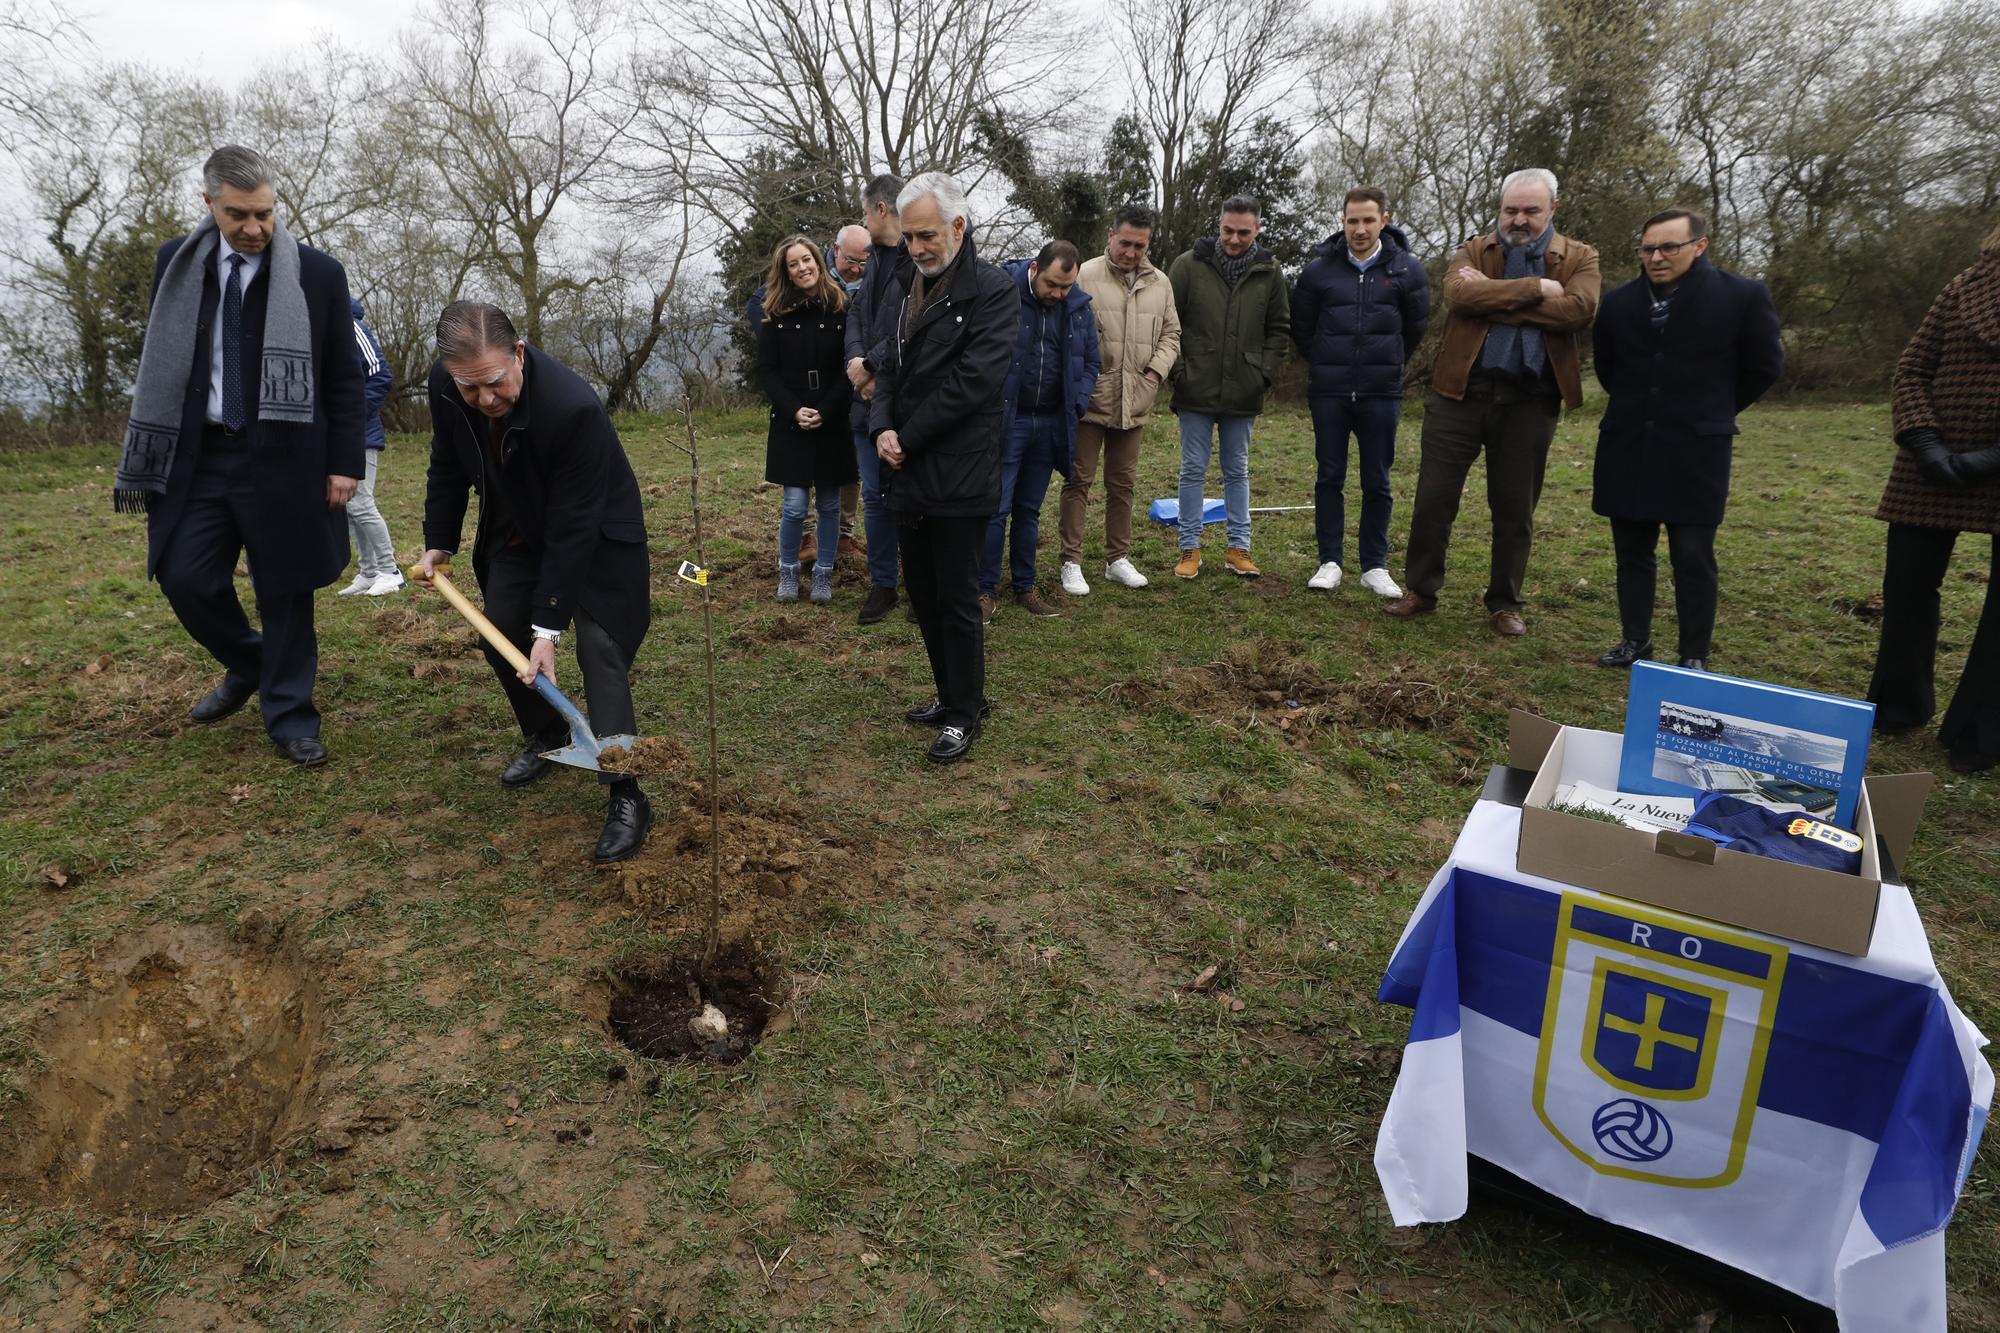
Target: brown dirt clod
{"points": [[649, 756]]}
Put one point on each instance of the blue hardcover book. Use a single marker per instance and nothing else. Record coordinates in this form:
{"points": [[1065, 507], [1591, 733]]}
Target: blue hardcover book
{"points": [[1689, 732]]}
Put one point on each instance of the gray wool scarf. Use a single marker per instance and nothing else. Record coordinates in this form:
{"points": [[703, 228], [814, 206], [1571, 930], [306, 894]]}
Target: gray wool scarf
{"points": [[285, 389], [1518, 349]]}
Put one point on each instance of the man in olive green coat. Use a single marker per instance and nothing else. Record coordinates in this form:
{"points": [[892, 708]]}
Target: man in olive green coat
{"points": [[1235, 326]]}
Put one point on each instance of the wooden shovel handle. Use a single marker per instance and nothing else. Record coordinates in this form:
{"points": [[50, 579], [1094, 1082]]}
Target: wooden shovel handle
{"points": [[486, 628]]}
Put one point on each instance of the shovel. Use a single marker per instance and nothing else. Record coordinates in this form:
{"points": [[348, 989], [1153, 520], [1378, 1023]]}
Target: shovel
{"points": [[584, 744]]}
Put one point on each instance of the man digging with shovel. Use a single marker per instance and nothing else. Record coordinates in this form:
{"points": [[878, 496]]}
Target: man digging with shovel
{"points": [[561, 536]]}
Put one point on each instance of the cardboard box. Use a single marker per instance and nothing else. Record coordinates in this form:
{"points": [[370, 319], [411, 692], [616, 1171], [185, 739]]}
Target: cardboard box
{"points": [[1690, 874]]}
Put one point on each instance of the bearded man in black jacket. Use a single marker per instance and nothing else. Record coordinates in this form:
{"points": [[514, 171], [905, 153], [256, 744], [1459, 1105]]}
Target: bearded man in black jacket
{"points": [[561, 536], [936, 422]]}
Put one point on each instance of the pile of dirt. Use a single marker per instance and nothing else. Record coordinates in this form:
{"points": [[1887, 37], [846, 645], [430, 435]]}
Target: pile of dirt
{"points": [[183, 1063], [140, 696], [1266, 682], [649, 756], [669, 1009], [779, 871]]}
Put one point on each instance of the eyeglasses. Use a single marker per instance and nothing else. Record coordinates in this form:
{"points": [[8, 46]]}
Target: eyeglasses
{"points": [[1665, 249]]}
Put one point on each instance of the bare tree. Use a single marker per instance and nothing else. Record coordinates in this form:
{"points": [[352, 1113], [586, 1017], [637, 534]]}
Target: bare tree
{"points": [[848, 88], [516, 133], [34, 36], [320, 119]]}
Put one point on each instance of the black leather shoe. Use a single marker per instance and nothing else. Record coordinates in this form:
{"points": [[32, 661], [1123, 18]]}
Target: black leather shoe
{"points": [[1693, 663], [221, 701], [625, 826], [932, 713], [951, 745], [305, 751], [1626, 653], [527, 766]]}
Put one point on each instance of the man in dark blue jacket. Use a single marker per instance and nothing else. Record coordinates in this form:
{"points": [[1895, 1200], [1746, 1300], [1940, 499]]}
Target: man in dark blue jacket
{"points": [[1682, 349], [1048, 389], [871, 329], [374, 552], [1358, 311]]}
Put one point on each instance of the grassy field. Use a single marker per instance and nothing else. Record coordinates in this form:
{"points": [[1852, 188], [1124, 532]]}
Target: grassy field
{"points": [[988, 1102]]}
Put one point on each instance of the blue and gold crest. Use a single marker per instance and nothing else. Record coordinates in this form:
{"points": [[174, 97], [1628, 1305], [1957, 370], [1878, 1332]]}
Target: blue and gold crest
{"points": [[1653, 1040]]}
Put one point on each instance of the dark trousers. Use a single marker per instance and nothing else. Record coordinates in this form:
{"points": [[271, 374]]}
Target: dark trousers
{"points": [[197, 572], [1691, 552], [511, 574], [1027, 461], [1514, 427], [1372, 423], [941, 572], [1904, 690]]}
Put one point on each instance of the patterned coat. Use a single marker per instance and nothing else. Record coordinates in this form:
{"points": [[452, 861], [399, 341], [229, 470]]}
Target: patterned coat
{"points": [[1949, 379]]}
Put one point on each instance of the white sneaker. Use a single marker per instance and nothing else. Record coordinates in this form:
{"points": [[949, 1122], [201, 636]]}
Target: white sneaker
{"points": [[1377, 581], [1072, 579], [1326, 577], [1122, 571], [360, 584], [385, 585]]}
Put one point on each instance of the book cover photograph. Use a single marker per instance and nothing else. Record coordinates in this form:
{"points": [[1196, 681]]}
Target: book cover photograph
{"points": [[1694, 732]]}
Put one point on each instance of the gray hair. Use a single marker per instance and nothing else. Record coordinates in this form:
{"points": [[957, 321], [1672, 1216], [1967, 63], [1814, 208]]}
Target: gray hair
{"points": [[467, 328], [950, 195], [852, 226], [237, 166], [1541, 176]]}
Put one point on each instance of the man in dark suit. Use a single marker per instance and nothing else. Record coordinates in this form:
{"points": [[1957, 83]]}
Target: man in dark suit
{"points": [[936, 419], [1681, 349], [561, 535], [246, 435]]}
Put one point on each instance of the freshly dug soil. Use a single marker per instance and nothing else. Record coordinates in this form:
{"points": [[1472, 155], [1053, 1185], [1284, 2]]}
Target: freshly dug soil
{"points": [[780, 871], [649, 756], [652, 1005], [181, 1065]]}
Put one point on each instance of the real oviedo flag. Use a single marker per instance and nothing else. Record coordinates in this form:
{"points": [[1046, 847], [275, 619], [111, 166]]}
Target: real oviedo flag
{"points": [[1804, 1118]]}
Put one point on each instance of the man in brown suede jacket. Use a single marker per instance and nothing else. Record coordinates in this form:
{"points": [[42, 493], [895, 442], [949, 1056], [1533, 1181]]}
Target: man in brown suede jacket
{"points": [[1516, 301]]}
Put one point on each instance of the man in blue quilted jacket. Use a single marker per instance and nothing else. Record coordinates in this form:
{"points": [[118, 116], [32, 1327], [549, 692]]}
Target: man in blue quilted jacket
{"points": [[1358, 311]]}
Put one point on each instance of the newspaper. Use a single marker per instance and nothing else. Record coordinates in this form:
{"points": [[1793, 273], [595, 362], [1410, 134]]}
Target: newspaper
{"points": [[1632, 809]]}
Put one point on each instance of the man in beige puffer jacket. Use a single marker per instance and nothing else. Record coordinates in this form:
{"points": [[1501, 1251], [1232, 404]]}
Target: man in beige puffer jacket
{"points": [[1139, 334]]}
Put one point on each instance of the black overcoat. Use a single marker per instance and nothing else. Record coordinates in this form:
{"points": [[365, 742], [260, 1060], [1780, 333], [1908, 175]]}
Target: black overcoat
{"points": [[1664, 445], [802, 362], [302, 544], [943, 392], [565, 482]]}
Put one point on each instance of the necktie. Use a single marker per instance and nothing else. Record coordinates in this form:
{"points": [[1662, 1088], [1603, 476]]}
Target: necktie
{"points": [[232, 346]]}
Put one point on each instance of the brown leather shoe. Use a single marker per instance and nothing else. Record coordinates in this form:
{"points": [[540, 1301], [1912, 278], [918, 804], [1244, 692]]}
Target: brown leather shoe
{"points": [[1240, 564], [850, 549], [987, 606], [1189, 565], [1509, 625], [1409, 606], [1031, 602]]}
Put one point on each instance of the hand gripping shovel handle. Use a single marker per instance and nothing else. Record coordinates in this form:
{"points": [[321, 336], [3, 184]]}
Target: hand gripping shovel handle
{"points": [[579, 727]]}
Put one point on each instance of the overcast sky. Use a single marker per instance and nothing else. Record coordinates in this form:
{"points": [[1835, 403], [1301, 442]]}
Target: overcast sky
{"points": [[226, 43]]}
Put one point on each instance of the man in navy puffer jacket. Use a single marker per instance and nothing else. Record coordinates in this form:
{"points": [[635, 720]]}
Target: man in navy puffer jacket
{"points": [[1358, 311]]}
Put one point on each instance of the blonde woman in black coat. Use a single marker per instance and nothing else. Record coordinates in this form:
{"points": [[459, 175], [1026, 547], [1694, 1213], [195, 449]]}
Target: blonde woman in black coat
{"points": [[802, 360]]}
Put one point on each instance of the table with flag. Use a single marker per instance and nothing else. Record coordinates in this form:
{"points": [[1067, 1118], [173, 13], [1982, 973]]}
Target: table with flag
{"points": [[1803, 1116]]}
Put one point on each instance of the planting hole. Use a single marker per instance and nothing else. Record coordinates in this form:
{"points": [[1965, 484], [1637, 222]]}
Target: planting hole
{"points": [[183, 1063], [668, 1010]]}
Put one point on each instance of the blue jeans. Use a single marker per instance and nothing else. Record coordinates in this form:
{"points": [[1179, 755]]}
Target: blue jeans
{"points": [[1197, 431], [792, 523], [876, 520], [1372, 422], [1027, 461]]}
